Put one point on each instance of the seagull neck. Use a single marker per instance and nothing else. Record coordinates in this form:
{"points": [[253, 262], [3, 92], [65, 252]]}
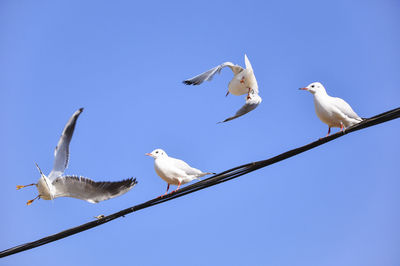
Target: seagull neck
{"points": [[321, 94]]}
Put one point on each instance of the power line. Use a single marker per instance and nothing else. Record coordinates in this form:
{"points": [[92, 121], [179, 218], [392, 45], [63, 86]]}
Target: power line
{"points": [[216, 179]]}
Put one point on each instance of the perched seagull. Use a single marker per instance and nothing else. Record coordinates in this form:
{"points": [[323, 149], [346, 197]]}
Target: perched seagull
{"points": [[174, 171], [243, 82], [333, 111], [56, 185]]}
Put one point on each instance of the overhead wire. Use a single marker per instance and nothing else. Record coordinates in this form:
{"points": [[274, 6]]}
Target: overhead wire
{"points": [[211, 181]]}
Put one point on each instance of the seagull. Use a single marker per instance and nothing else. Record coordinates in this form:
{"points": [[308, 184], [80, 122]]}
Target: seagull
{"points": [[56, 185], [243, 82], [333, 111], [174, 171]]}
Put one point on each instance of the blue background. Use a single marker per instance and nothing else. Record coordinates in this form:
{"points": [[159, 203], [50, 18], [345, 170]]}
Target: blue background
{"points": [[124, 61]]}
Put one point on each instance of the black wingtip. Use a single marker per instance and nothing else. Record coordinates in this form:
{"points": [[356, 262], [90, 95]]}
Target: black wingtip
{"points": [[192, 82], [226, 120], [133, 181], [81, 109]]}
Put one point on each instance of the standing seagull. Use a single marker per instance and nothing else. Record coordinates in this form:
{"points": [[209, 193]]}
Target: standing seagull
{"points": [[243, 82], [174, 171], [333, 111], [55, 185]]}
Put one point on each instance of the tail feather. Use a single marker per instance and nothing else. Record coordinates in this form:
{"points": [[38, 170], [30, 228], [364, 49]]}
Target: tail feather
{"points": [[203, 174]]}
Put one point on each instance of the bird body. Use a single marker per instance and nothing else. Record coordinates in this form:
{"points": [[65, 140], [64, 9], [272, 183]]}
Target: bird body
{"points": [[44, 188], [174, 171], [236, 85], [333, 111]]}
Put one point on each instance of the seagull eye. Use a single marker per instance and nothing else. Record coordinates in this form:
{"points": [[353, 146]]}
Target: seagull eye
{"points": [[312, 86], [156, 151]]}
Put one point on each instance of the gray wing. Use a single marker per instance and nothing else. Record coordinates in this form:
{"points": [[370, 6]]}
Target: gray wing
{"points": [[89, 190], [208, 75], [344, 107], [61, 153], [182, 165], [250, 105]]}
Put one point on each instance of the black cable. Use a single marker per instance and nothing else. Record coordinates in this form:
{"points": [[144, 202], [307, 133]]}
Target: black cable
{"points": [[216, 179]]}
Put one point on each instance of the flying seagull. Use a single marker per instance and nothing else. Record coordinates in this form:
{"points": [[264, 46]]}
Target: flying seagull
{"points": [[333, 111], [243, 82], [174, 171], [56, 185]]}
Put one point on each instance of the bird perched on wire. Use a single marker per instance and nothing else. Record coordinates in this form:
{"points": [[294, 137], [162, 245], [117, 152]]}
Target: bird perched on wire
{"points": [[243, 82], [56, 185], [174, 171], [333, 111]]}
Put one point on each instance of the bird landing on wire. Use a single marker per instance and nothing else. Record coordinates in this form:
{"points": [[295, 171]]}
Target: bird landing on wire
{"points": [[56, 185]]}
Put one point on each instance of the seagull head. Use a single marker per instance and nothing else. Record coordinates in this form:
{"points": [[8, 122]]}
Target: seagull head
{"points": [[157, 153], [314, 88]]}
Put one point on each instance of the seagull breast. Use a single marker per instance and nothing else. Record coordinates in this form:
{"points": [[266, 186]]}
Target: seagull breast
{"points": [[44, 189], [335, 111]]}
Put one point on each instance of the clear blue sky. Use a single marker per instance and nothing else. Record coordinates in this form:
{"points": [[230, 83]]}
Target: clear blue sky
{"points": [[124, 61]]}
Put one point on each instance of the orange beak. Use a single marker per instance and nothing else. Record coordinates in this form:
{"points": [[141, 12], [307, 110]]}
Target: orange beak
{"points": [[304, 89], [148, 154]]}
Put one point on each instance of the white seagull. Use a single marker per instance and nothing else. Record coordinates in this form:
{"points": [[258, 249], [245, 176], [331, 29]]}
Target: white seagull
{"points": [[243, 82], [56, 185], [174, 171], [333, 111]]}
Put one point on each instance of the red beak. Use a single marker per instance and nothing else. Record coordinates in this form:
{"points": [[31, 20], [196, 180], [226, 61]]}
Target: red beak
{"points": [[148, 154], [304, 89]]}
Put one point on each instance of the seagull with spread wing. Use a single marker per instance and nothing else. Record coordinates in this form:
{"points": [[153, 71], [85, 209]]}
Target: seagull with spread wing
{"points": [[243, 82], [56, 185]]}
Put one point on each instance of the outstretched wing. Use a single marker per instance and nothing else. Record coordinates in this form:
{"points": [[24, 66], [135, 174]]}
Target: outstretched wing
{"points": [[89, 190], [250, 105], [247, 63], [61, 153], [208, 75]]}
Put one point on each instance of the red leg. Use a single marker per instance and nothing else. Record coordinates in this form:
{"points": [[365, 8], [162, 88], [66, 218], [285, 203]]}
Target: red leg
{"points": [[179, 185], [30, 201], [242, 80], [341, 126], [165, 192], [19, 187], [248, 94], [329, 131]]}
